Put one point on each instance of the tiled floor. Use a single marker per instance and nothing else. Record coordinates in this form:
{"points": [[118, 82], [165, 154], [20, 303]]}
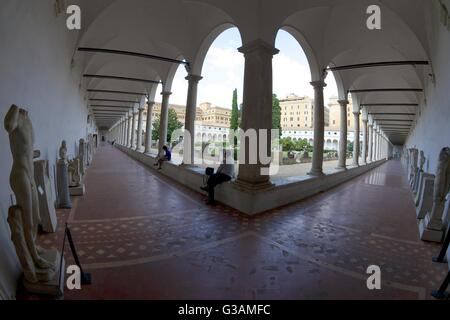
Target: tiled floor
{"points": [[145, 237]]}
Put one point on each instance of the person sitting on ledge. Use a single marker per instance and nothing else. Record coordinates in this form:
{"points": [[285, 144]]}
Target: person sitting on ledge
{"points": [[162, 158], [224, 173]]}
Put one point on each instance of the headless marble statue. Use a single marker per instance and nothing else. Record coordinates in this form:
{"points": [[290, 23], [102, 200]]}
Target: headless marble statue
{"points": [[24, 217], [422, 161], [74, 173], [64, 201], [441, 189], [414, 159]]}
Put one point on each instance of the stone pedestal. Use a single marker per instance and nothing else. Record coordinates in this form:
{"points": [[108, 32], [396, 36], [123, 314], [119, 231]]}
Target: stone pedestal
{"points": [[77, 191], [429, 234], [46, 207], [426, 196], [62, 175], [54, 287], [416, 181], [418, 194]]}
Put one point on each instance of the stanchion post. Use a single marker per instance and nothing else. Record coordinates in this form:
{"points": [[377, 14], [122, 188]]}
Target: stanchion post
{"points": [[86, 278], [441, 257], [441, 294]]}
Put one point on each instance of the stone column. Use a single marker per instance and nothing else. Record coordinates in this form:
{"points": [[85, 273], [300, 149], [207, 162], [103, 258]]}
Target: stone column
{"points": [[122, 139], [375, 144], [365, 148], [257, 115], [164, 120], [119, 132], [129, 122], [343, 136], [191, 113], [148, 129], [319, 128], [133, 131], [139, 130], [356, 140], [369, 143], [125, 129]]}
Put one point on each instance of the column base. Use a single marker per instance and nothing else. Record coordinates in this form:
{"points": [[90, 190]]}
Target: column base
{"points": [[253, 187], [341, 168], [427, 234], [54, 287], [77, 191], [316, 173]]}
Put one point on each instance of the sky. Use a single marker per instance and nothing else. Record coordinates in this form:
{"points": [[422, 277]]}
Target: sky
{"points": [[223, 71]]}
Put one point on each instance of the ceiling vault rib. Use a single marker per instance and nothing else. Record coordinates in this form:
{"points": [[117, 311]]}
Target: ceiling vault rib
{"points": [[97, 76], [132, 54], [394, 120], [112, 100], [115, 91], [377, 64], [389, 105], [108, 106], [386, 90], [391, 114]]}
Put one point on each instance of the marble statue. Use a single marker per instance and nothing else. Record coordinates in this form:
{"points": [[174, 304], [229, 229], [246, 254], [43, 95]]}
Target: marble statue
{"points": [[76, 183], [46, 204], [424, 198], [74, 173], [441, 189], [432, 224], [82, 156], [62, 177], [414, 166], [24, 217], [422, 161], [418, 177], [63, 151]]}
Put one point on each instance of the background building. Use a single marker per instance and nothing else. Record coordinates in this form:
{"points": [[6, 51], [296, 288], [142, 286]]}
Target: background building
{"points": [[297, 120], [212, 122]]}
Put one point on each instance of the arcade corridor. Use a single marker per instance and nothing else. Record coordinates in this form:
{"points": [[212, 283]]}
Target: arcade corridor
{"points": [[145, 237]]}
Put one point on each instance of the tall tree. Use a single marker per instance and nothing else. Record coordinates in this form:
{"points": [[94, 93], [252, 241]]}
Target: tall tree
{"points": [[172, 125], [276, 113], [234, 112]]}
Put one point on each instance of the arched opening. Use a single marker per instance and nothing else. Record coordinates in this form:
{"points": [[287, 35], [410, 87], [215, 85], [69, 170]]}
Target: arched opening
{"points": [[223, 72], [293, 70]]}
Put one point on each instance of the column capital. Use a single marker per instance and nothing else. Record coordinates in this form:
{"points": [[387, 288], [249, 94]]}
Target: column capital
{"points": [[258, 45], [357, 113], [166, 93], [365, 120], [318, 84], [343, 103], [194, 78]]}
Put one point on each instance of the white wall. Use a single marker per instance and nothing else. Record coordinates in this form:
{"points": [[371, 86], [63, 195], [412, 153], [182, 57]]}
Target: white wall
{"points": [[36, 74], [432, 131]]}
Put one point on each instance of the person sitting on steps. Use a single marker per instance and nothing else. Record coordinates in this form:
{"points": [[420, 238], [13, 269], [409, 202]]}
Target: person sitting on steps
{"points": [[224, 173], [162, 158]]}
